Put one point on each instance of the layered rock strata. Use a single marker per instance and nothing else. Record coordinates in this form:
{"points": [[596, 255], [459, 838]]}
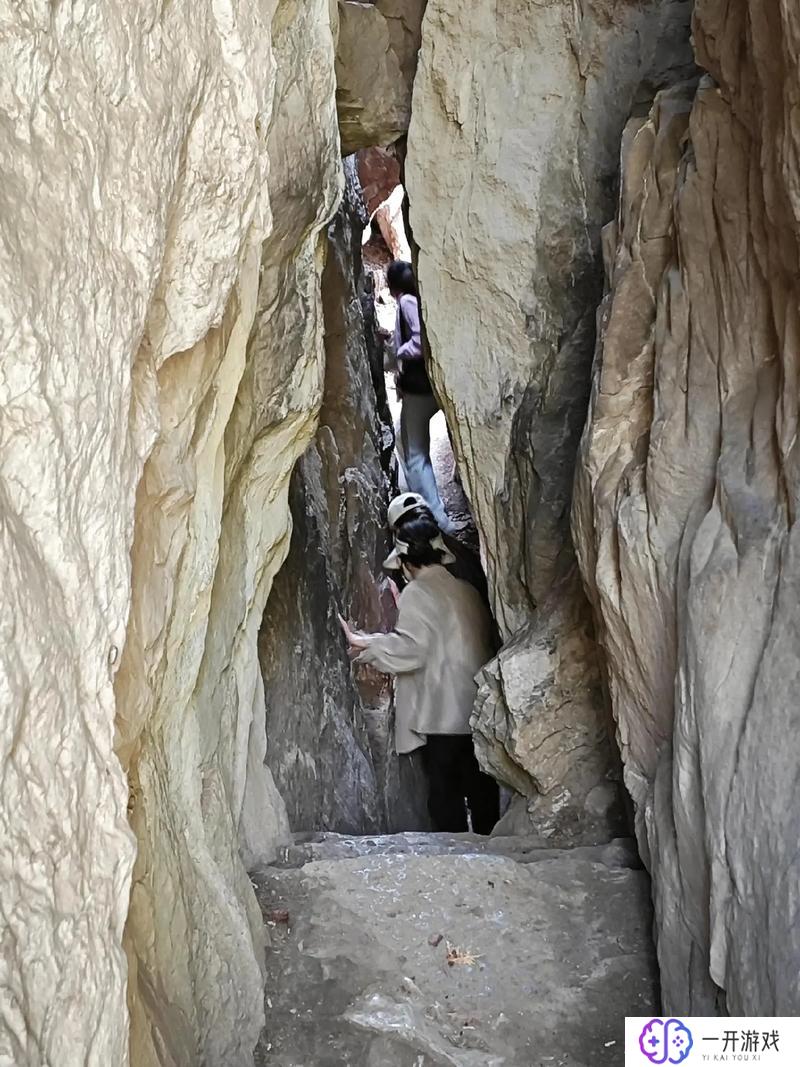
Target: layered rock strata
{"points": [[512, 156], [685, 510]]}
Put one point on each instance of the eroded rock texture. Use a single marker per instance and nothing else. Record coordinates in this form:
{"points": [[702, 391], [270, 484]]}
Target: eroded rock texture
{"points": [[686, 504], [540, 727], [200, 788], [329, 725], [145, 460], [512, 156], [376, 59]]}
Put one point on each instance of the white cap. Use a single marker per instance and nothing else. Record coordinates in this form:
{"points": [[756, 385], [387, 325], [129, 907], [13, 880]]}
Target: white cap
{"points": [[401, 505]]}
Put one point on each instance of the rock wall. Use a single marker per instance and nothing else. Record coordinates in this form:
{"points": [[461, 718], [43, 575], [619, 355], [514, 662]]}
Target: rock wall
{"points": [[517, 115], [379, 175], [168, 172], [685, 509], [204, 767], [146, 450], [329, 725], [376, 58]]}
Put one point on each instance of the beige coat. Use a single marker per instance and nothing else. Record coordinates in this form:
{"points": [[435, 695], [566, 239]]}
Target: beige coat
{"points": [[441, 640]]}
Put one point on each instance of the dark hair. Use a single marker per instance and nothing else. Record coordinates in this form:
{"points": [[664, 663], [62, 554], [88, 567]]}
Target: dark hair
{"points": [[417, 530], [420, 510], [400, 278]]}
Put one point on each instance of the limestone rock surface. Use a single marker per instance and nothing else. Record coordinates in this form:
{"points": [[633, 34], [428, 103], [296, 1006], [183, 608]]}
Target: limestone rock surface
{"points": [[518, 111], [376, 59], [685, 510], [553, 954], [147, 153], [329, 725], [100, 210], [539, 730], [213, 524]]}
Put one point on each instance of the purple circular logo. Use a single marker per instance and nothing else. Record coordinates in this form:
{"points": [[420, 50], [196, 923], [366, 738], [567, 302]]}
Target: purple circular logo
{"points": [[666, 1041]]}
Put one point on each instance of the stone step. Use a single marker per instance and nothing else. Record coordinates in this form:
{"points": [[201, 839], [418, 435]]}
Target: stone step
{"points": [[313, 847], [419, 950]]}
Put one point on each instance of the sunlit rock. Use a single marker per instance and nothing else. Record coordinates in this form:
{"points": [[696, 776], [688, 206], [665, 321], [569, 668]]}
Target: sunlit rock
{"points": [[513, 151], [148, 435], [684, 514]]}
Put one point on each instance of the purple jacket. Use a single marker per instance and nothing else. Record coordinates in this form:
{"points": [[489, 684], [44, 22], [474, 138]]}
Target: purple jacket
{"points": [[412, 349]]}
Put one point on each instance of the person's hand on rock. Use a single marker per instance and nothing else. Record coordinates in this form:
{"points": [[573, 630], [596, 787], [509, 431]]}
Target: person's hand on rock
{"points": [[355, 640]]}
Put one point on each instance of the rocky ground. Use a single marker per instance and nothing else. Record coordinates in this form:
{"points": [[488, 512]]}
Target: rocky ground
{"points": [[425, 949]]}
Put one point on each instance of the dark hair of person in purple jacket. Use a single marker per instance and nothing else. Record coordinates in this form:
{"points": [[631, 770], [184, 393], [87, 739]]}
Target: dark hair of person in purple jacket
{"points": [[400, 279]]}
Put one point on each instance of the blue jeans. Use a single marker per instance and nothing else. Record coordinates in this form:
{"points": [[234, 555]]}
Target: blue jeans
{"points": [[415, 438]]}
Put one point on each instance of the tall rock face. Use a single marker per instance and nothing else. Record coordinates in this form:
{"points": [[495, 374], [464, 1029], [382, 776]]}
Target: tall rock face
{"points": [[329, 725], [686, 503], [167, 172], [201, 793], [513, 152]]}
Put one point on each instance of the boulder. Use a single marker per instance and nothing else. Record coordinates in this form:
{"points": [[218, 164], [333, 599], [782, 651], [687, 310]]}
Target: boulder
{"points": [[389, 217], [538, 731], [379, 175]]}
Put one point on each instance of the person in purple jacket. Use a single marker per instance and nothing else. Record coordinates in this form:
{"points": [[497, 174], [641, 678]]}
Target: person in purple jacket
{"points": [[413, 385]]}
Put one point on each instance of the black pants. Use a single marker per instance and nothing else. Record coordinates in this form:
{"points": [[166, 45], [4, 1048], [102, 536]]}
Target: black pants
{"points": [[454, 774]]}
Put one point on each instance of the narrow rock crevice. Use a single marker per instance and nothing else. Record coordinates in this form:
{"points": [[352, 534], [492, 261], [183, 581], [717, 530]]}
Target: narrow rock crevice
{"points": [[329, 725], [196, 452]]}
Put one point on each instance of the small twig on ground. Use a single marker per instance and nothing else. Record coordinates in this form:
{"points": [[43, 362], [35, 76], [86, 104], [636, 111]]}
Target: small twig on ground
{"points": [[460, 956]]}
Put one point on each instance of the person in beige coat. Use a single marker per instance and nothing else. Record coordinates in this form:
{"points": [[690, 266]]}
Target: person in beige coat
{"points": [[442, 638]]}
